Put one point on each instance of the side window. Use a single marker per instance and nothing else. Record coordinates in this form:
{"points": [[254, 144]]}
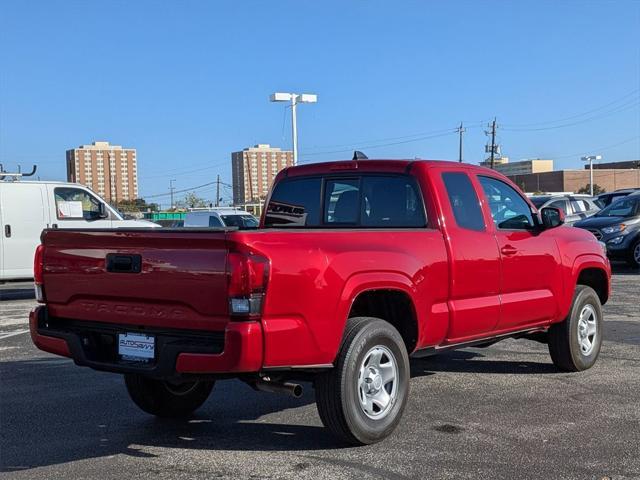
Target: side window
{"points": [[464, 201], [392, 202], [342, 201], [508, 209], [294, 203], [580, 206], [76, 204], [561, 204], [214, 221]]}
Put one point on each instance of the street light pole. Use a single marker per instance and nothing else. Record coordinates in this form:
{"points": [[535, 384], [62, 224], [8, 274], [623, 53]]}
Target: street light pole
{"points": [[171, 188], [590, 159], [295, 99], [294, 128]]}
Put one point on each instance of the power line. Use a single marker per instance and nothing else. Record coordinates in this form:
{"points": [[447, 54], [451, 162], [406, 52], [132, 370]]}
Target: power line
{"points": [[371, 147], [621, 108], [602, 107]]}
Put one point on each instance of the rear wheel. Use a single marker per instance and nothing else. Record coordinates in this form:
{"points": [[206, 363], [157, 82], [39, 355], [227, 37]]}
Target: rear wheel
{"points": [[362, 398], [167, 399], [574, 344]]}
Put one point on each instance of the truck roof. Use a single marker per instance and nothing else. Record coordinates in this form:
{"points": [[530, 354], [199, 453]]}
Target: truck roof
{"points": [[370, 165]]}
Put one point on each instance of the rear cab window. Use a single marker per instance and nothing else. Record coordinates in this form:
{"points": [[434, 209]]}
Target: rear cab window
{"points": [[353, 201], [464, 201]]}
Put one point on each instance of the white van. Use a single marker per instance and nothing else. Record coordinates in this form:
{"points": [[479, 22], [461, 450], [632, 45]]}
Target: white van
{"points": [[221, 217], [26, 208]]}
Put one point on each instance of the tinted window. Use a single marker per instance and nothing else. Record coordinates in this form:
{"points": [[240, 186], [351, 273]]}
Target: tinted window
{"points": [[214, 221], [464, 201], [561, 204], [73, 203], [539, 201], [342, 201], [508, 209], [294, 203], [240, 221], [391, 202], [623, 207]]}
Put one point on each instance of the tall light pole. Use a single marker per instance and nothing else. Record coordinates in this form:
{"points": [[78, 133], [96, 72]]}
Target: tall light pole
{"points": [[295, 99], [171, 189], [590, 159]]}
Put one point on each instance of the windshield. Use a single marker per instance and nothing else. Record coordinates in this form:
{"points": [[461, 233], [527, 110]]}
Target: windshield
{"points": [[624, 207], [240, 221], [539, 201]]}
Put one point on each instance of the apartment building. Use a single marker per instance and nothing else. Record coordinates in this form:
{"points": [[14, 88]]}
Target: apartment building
{"points": [[109, 170], [253, 171]]}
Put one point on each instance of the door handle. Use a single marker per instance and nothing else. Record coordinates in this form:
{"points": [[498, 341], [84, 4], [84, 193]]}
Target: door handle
{"points": [[508, 250], [7, 231]]}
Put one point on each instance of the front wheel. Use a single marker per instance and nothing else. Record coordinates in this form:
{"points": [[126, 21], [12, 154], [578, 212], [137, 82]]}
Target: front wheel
{"points": [[362, 398], [574, 344], [167, 399], [634, 255]]}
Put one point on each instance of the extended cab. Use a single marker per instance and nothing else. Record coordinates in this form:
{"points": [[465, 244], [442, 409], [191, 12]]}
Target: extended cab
{"points": [[356, 266]]}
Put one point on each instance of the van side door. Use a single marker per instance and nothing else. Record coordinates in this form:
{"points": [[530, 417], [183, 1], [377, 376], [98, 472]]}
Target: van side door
{"points": [[75, 207], [24, 216]]}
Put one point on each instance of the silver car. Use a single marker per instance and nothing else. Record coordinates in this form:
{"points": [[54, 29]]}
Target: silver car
{"points": [[576, 207]]}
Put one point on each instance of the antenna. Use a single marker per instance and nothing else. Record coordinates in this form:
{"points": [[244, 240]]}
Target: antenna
{"points": [[358, 155]]}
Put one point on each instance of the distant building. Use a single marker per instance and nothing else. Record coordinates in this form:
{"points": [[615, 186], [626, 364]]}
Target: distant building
{"points": [[573, 180], [109, 170], [625, 164], [522, 167], [254, 169]]}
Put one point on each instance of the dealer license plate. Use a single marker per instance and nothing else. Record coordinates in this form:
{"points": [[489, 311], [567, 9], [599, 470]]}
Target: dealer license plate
{"points": [[136, 347]]}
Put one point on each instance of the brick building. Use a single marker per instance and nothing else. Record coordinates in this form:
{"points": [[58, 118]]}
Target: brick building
{"points": [[572, 180], [109, 170], [253, 171]]}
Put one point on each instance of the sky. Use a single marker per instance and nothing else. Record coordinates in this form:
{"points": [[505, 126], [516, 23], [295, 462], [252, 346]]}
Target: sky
{"points": [[188, 82]]}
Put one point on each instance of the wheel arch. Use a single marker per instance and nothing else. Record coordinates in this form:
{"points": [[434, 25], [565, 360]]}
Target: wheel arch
{"points": [[384, 295], [594, 272]]}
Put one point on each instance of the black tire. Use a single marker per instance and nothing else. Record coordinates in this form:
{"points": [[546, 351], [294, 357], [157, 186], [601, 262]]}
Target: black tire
{"points": [[564, 338], [165, 399], [338, 390], [631, 259]]}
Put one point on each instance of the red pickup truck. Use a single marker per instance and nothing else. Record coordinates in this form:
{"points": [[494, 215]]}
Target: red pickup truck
{"points": [[355, 266]]}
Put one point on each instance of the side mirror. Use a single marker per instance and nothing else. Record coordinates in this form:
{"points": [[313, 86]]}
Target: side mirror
{"points": [[102, 211], [551, 217]]}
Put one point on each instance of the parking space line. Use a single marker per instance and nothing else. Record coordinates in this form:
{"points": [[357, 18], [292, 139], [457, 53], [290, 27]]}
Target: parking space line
{"points": [[12, 334]]}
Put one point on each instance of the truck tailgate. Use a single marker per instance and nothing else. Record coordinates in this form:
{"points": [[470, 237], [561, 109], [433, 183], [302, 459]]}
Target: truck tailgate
{"points": [[160, 278]]}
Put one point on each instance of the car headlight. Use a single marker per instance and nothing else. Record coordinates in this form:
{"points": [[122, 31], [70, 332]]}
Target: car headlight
{"points": [[614, 228], [616, 240]]}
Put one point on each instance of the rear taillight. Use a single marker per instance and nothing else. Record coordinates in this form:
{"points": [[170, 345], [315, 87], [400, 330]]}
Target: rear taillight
{"points": [[248, 275], [38, 270]]}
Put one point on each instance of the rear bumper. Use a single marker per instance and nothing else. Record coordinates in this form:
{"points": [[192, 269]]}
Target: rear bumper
{"points": [[239, 349]]}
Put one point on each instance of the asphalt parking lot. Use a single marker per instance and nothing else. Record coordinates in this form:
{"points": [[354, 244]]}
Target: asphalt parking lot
{"points": [[499, 412]]}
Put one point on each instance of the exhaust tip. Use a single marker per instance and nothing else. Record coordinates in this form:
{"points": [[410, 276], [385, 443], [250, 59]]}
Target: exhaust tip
{"points": [[296, 391]]}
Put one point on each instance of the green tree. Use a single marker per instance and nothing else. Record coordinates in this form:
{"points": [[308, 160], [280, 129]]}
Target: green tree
{"points": [[597, 189], [192, 200]]}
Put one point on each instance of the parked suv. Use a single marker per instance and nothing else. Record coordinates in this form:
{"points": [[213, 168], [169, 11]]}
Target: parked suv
{"points": [[618, 226], [605, 199], [221, 217], [575, 207]]}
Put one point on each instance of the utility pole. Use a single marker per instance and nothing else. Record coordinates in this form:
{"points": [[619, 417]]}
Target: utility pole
{"points": [[171, 189], [461, 131], [218, 192], [493, 148]]}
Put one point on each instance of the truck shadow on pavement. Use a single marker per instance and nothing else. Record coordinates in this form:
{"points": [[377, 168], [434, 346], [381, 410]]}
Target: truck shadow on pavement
{"points": [[53, 412], [466, 361]]}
